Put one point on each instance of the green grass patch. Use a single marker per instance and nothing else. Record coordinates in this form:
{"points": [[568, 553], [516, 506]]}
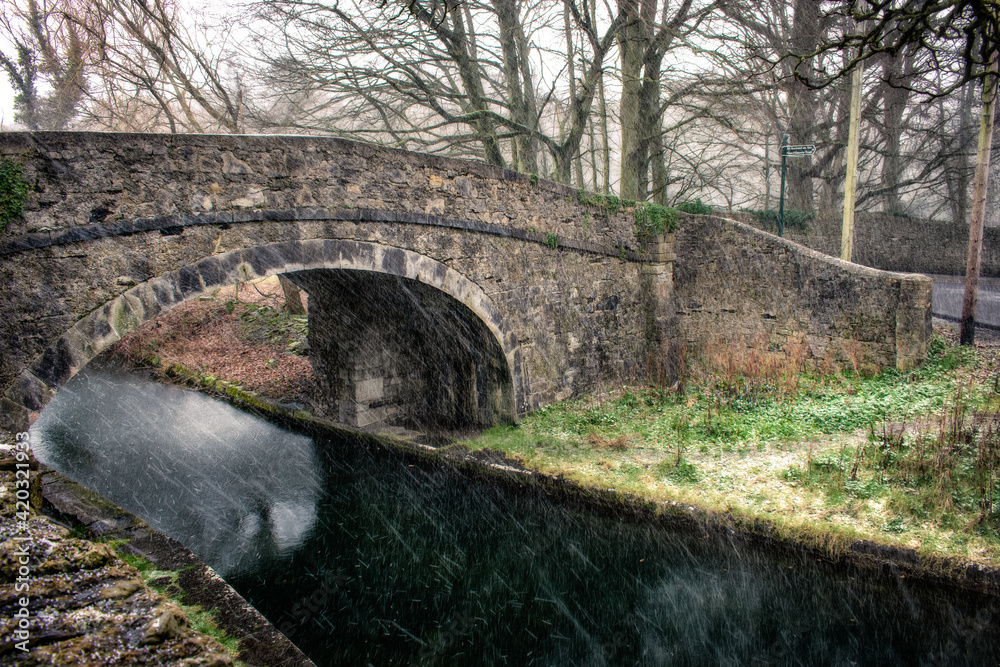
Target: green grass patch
{"points": [[906, 458]]}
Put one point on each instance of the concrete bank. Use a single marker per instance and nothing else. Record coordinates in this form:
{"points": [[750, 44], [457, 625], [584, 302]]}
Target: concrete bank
{"points": [[81, 603]]}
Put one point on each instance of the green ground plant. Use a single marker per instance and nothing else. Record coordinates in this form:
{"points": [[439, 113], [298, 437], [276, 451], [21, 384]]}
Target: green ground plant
{"points": [[694, 207], [652, 219], [268, 324], [907, 458]]}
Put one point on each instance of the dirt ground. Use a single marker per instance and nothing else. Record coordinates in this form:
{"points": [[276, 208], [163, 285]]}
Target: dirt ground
{"points": [[202, 335]]}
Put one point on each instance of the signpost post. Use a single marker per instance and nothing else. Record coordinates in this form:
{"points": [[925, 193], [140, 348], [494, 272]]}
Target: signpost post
{"points": [[786, 152]]}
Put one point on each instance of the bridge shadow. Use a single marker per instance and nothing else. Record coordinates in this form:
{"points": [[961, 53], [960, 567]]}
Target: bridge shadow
{"points": [[392, 351]]}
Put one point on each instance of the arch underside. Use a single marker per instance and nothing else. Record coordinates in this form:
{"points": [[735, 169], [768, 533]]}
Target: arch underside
{"points": [[451, 305], [388, 350]]}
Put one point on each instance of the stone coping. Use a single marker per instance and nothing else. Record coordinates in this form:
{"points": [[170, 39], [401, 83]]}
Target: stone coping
{"points": [[806, 251], [175, 224], [260, 643]]}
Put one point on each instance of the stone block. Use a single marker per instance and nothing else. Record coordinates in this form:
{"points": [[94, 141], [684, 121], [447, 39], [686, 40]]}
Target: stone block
{"points": [[166, 290], [368, 391], [189, 282], [31, 392]]}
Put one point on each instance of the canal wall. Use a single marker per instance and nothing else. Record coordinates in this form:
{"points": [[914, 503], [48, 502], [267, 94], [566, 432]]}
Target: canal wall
{"points": [[80, 598], [739, 287]]}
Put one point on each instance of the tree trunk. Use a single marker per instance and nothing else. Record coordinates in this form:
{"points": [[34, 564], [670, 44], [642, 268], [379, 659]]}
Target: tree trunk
{"points": [[959, 169], [632, 45], [802, 104], [896, 70], [469, 72], [968, 331], [605, 140], [293, 297]]}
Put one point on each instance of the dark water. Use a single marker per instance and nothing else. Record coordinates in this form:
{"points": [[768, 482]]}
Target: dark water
{"points": [[363, 556]]}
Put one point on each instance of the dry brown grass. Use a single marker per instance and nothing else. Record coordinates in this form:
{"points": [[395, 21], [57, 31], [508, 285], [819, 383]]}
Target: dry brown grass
{"points": [[618, 443], [750, 369], [202, 335]]}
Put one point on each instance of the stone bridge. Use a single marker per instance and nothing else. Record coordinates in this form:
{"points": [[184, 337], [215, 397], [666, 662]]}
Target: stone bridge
{"points": [[442, 292]]}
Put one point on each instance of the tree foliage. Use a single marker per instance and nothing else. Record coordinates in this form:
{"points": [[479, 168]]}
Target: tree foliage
{"points": [[650, 99]]}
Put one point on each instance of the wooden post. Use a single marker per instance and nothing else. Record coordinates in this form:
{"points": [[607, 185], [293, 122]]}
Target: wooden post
{"points": [[967, 334], [851, 180], [781, 196]]}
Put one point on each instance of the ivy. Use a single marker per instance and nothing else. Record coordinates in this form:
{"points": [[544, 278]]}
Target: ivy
{"points": [[653, 219], [650, 219], [794, 219], [13, 192], [695, 207]]}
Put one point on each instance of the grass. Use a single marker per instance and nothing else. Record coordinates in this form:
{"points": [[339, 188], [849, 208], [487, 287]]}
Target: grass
{"points": [[909, 459], [201, 621]]}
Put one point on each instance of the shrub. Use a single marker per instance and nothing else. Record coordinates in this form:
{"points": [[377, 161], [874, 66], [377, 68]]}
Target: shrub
{"points": [[794, 219], [651, 219], [694, 207]]}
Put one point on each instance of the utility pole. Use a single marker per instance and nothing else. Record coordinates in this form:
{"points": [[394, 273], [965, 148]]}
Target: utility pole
{"points": [[851, 180], [967, 333]]}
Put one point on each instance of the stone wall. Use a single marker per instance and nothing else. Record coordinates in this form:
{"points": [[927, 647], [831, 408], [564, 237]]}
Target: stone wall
{"points": [[390, 350], [568, 321], [895, 243], [738, 286], [83, 178], [121, 227]]}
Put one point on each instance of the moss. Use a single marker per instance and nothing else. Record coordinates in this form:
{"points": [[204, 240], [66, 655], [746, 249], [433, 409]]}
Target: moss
{"points": [[165, 582]]}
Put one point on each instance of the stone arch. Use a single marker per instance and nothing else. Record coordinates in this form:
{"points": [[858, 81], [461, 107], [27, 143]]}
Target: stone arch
{"points": [[102, 327]]}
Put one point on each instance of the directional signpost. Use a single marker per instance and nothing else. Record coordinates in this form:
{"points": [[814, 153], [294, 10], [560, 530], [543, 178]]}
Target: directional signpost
{"points": [[786, 152], [795, 151]]}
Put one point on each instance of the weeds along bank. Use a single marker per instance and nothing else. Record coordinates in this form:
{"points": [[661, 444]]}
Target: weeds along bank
{"points": [[910, 459], [827, 457]]}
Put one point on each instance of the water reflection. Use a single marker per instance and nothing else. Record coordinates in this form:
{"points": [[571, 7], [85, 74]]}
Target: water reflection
{"points": [[231, 487], [385, 559]]}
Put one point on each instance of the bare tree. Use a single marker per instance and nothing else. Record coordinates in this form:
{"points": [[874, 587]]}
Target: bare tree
{"points": [[462, 78], [51, 50], [933, 28], [159, 71], [649, 31]]}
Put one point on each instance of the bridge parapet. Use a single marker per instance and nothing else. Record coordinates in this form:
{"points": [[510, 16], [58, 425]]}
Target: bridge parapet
{"points": [[739, 287], [88, 178]]}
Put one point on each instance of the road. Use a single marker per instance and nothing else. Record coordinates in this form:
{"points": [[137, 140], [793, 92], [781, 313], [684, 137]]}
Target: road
{"points": [[947, 300]]}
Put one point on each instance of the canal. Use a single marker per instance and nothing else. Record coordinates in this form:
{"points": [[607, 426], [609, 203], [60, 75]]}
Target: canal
{"points": [[363, 555]]}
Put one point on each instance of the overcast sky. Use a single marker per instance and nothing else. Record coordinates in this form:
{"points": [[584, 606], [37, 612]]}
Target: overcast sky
{"points": [[6, 103]]}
